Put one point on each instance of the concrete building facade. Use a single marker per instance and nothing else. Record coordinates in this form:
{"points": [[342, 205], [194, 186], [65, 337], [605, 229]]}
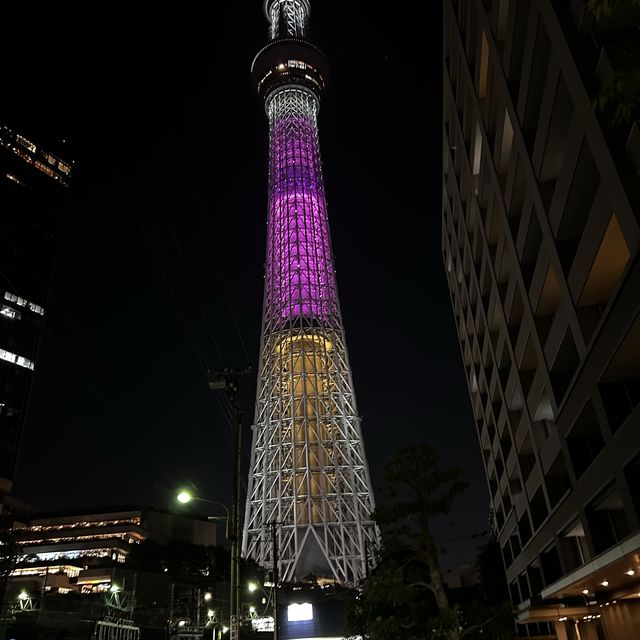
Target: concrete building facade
{"points": [[540, 238]]}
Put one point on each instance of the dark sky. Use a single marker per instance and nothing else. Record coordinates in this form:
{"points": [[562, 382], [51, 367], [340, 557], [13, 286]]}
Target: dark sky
{"points": [[160, 268]]}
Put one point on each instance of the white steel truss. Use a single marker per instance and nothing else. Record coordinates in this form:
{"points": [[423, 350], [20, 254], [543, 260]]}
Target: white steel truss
{"points": [[288, 18], [308, 471]]}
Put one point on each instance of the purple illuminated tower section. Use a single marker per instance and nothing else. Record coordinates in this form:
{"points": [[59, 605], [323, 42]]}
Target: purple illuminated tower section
{"points": [[300, 279], [308, 472]]}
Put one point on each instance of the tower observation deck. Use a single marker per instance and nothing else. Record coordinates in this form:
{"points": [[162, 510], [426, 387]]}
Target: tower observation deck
{"points": [[308, 472]]}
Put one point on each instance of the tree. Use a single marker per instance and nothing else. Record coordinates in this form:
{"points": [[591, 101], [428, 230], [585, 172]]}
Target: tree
{"points": [[491, 615], [415, 491], [405, 596], [619, 99], [604, 8], [390, 604]]}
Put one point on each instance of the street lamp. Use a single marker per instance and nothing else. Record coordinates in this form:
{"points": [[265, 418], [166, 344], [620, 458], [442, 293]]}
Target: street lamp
{"points": [[185, 497]]}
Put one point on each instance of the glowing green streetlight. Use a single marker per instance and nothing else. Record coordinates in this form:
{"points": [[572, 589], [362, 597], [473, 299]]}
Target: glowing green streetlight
{"points": [[252, 586], [23, 595], [114, 588], [211, 613], [207, 597], [184, 496]]}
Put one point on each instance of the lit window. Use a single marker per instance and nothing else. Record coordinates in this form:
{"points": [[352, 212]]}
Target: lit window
{"points": [[24, 362], [36, 308], [19, 360], [25, 156], [9, 312], [44, 168], [65, 168], [15, 179], [11, 297], [26, 143]]}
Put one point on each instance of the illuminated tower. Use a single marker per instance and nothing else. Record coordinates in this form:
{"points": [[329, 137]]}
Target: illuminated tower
{"points": [[308, 469]]}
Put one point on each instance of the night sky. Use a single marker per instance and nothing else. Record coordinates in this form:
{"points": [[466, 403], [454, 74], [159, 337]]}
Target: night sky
{"points": [[160, 268]]}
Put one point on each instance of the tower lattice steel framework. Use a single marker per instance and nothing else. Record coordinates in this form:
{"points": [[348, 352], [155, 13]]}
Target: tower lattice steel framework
{"points": [[309, 473]]}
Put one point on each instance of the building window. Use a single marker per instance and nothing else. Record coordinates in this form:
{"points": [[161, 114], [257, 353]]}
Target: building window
{"points": [[575, 550], [506, 145], [503, 18], [44, 168], [477, 150], [620, 385], [557, 480], [549, 300], [36, 308], [609, 265], [542, 418], [550, 561], [12, 297], [608, 522], [557, 137], [19, 360], [526, 458], [10, 312], [26, 143], [538, 508], [632, 473], [564, 366], [484, 67], [15, 179], [585, 183], [65, 168], [584, 441], [537, 81]]}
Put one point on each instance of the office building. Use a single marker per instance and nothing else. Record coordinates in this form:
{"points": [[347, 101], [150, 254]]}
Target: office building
{"points": [[86, 547], [33, 189], [540, 235]]}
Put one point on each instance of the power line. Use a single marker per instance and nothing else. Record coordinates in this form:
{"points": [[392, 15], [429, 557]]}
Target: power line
{"points": [[193, 287]]}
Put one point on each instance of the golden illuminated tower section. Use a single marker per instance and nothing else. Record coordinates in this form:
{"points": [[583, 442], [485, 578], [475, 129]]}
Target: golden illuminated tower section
{"points": [[309, 473]]}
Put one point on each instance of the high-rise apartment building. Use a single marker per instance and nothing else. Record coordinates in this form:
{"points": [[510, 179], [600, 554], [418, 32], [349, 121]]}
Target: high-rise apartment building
{"points": [[33, 182], [540, 237], [309, 475]]}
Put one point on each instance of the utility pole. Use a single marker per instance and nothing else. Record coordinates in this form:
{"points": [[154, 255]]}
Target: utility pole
{"points": [[228, 381], [274, 536]]}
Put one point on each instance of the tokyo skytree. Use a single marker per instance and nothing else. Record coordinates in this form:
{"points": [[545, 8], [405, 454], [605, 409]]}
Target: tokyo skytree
{"points": [[308, 472]]}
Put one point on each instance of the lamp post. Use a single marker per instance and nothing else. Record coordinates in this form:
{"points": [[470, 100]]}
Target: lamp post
{"points": [[184, 497]]}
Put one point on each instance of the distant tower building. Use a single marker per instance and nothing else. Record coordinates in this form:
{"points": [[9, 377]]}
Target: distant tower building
{"points": [[540, 237], [33, 183], [308, 469]]}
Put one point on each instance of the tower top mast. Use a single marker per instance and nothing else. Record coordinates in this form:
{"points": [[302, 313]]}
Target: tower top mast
{"points": [[287, 18]]}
